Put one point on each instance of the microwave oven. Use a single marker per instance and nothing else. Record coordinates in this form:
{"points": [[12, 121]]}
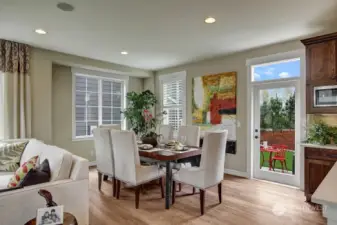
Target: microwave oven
{"points": [[325, 96]]}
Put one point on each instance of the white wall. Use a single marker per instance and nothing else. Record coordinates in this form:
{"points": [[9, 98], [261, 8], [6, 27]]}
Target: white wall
{"points": [[235, 62]]}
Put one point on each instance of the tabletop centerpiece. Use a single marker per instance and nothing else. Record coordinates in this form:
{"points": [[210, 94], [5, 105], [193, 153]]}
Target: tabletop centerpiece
{"points": [[139, 117]]}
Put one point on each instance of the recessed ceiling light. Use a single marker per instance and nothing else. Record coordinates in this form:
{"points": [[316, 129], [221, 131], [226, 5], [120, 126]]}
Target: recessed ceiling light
{"points": [[124, 53], [210, 20], [65, 7], [40, 31]]}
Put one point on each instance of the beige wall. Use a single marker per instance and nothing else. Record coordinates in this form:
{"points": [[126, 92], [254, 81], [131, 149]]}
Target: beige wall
{"points": [[51, 95], [235, 62]]}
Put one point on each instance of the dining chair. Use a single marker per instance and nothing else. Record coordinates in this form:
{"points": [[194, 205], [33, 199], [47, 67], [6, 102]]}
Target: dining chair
{"points": [[104, 156], [280, 156], [127, 164], [211, 170], [167, 132], [192, 134], [110, 126], [192, 139]]}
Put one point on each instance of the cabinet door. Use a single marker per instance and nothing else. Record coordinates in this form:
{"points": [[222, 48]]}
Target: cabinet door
{"points": [[322, 62], [315, 172]]}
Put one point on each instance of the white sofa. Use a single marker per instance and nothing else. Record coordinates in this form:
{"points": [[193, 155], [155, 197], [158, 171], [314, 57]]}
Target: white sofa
{"points": [[69, 186]]}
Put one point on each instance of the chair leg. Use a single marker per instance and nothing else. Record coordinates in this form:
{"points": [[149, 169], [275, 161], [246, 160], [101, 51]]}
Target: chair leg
{"points": [[118, 188], [193, 190], [174, 186], [161, 187], [202, 201], [274, 165], [285, 165], [219, 192], [179, 186], [114, 182], [137, 196], [99, 180], [282, 163]]}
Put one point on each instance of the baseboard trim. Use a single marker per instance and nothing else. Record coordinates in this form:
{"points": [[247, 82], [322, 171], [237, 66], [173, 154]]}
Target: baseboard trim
{"points": [[92, 163], [236, 173]]}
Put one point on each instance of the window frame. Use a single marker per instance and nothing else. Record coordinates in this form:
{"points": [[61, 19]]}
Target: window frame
{"points": [[100, 76], [178, 76]]}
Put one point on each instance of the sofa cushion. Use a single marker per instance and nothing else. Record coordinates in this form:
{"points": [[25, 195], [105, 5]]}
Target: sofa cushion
{"points": [[33, 148], [39, 175], [22, 172], [10, 154], [4, 179], [60, 162]]}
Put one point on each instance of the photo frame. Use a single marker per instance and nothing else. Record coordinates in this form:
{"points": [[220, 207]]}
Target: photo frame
{"points": [[50, 216]]}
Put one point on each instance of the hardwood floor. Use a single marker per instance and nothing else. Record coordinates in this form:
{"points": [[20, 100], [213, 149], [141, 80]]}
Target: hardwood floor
{"points": [[244, 202]]}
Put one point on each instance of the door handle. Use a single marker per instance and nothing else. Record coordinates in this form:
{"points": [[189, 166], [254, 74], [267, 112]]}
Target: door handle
{"points": [[256, 137]]}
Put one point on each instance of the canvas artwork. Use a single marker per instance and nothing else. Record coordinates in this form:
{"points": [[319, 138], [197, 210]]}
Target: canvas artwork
{"points": [[214, 102]]}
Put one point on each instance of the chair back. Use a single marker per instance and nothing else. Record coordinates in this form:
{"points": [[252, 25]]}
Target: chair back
{"points": [[281, 150], [111, 126], [213, 156], [167, 132], [192, 134], [104, 151], [126, 155]]}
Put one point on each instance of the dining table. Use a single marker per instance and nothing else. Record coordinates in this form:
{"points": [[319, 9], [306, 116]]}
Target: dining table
{"points": [[169, 156]]}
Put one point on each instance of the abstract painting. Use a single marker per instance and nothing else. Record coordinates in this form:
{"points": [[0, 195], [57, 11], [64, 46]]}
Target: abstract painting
{"points": [[214, 102]]}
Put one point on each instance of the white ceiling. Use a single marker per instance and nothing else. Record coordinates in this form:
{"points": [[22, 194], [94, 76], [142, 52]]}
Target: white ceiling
{"points": [[162, 33]]}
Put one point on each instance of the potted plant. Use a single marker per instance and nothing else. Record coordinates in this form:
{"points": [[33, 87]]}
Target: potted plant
{"points": [[322, 133], [138, 115]]}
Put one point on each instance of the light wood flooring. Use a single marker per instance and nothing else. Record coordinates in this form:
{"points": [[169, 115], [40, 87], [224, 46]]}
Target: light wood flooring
{"points": [[244, 202]]}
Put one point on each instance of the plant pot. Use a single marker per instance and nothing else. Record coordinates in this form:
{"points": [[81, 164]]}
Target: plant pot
{"points": [[150, 140]]}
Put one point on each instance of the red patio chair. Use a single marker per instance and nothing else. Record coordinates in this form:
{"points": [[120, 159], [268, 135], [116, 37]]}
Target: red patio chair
{"points": [[280, 155]]}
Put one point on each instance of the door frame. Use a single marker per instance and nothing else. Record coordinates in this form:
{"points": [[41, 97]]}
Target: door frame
{"points": [[300, 53], [283, 178]]}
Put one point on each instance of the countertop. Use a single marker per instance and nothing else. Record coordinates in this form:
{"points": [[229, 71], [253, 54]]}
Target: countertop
{"points": [[333, 147], [325, 194]]}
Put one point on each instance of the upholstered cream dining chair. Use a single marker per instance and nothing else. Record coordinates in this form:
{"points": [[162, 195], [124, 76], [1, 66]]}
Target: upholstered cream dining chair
{"points": [[211, 170], [104, 154], [192, 139], [167, 132], [127, 163]]}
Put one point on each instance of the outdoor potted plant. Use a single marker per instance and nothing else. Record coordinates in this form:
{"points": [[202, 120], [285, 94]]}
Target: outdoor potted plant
{"points": [[139, 117]]}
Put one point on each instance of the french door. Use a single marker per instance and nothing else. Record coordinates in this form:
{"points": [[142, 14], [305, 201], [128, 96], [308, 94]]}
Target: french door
{"points": [[276, 132]]}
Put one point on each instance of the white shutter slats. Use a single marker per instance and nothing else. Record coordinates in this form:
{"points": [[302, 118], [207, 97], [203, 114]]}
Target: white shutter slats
{"points": [[173, 95]]}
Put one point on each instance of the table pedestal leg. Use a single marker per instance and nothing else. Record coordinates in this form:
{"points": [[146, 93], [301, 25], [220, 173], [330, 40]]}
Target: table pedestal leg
{"points": [[168, 185]]}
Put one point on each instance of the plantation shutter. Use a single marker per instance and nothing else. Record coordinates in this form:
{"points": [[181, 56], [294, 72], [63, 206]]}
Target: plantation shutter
{"points": [[173, 102]]}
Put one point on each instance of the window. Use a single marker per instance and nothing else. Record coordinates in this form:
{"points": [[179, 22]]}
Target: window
{"points": [[173, 99], [97, 100], [290, 68]]}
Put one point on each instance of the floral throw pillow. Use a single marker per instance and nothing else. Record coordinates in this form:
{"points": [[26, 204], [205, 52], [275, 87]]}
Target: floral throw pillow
{"points": [[21, 173], [10, 155]]}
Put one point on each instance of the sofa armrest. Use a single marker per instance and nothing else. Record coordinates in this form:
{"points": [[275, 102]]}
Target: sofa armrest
{"points": [[79, 169]]}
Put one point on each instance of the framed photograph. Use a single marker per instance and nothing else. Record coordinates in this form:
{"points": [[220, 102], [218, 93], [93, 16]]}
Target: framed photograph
{"points": [[50, 216]]}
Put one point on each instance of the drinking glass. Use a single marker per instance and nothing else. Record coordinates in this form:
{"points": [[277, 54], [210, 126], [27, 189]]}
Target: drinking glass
{"points": [[161, 140], [182, 140]]}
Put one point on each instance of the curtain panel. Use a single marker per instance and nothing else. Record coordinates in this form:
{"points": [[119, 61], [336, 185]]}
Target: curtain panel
{"points": [[16, 98]]}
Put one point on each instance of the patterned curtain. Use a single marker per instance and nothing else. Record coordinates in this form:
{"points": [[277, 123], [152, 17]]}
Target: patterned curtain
{"points": [[16, 101]]}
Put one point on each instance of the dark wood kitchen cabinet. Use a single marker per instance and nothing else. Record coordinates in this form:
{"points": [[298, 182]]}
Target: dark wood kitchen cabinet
{"points": [[318, 163], [321, 68], [322, 63]]}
